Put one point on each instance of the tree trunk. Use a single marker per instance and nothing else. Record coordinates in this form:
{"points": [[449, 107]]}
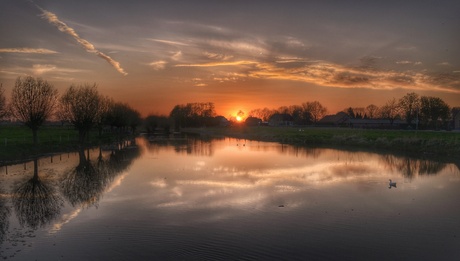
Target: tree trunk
{"points": [[34, 134], [81, 136]]}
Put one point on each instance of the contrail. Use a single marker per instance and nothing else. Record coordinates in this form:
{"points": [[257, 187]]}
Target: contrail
{"points": [[27, 50], [63, 27]]}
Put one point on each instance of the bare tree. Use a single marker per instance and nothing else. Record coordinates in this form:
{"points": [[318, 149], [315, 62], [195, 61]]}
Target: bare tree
{"points": [[390, 110], [316, 110], [263, 114], [32, 102], [410, 105], [81, 106], [106, 104], [3, 107], [372, 111]]}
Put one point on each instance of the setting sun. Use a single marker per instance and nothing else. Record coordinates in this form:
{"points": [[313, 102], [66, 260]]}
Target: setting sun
{"points": [[238, 118]]}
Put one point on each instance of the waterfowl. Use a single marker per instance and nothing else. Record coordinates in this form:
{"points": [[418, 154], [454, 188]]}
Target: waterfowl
{"points": [[392, 184]]}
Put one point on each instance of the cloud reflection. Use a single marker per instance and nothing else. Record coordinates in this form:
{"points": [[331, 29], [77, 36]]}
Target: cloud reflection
{"points": [[268, 176]]}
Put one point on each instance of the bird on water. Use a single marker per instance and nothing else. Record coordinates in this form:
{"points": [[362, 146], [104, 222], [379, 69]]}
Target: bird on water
{"points": [[392, 184]]}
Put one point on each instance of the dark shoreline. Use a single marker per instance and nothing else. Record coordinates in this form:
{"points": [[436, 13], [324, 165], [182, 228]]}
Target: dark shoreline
{"points": [[432, 146]]}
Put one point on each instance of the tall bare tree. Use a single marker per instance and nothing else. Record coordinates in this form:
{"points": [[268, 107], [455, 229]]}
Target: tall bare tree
{"points": [[410, 106], [390, 111], [3, 107], [81, 105], [32, 102], [372, 111], [316, 110]]}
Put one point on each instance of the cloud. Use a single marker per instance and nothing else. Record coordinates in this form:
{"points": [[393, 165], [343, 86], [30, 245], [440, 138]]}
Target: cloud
{"points": [[169, 42], [54, 20], [39, 69], [27, 50], [408, 62], [217, 56], [176, 55], [215, 64], [158, 65], [335, 75]]}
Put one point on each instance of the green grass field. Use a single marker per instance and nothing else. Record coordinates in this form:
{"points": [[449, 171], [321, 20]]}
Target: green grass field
{"points": [[16, 141], [420, 142]]}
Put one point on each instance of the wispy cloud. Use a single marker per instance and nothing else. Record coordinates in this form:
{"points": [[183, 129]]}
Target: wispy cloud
{"points": [[63, 27], [38, 69], [335, 75], [409, 62], [215, 64], [169, 42], [158, 65], [27, 50], [217, 56]]}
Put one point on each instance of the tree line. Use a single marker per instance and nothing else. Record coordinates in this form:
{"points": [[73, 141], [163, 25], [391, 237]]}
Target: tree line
{"points": [[34, 101], [424, 111]]}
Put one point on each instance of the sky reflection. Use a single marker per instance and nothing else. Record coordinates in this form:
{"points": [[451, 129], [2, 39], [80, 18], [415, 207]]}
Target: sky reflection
{"points": [[225, 173], [237, 199]]}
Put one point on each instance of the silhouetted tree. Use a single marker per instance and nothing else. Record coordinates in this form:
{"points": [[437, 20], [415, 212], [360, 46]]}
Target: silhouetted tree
{"points": [[316, 110], [350, 112], [81, 105], [104, 111], [372, 111], [263, 114], [152, 122], [409, 104], [32, 102], [3, 107], [390, 110], [193, 115], [433, 110], [121, 116], [134, 119]]}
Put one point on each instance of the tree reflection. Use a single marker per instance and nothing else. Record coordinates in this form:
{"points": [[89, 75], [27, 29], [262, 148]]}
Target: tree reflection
{"points": [[409, 167], [184, 145], [36, 202], [4, 217], [85, 184], [430, 167]]}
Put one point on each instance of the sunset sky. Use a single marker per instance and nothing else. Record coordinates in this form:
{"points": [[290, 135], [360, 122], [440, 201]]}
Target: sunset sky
{"points": [[241, 55]]}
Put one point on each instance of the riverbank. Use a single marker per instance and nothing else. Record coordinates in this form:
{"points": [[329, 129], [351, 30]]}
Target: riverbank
{"points": [[439, 143], [16, 142]]}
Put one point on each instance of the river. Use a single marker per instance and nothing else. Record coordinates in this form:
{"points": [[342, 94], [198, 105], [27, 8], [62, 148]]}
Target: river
{"points": [[229, 199]]}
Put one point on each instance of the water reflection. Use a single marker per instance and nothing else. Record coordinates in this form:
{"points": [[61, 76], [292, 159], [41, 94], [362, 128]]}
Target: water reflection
{"points": [[261, 174], [182, 145], [410, 167], [36, 201], [229, 198], [85, 184], [4, 216]]}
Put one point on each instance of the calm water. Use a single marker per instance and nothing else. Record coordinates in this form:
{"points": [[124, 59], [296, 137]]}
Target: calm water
{"points": [[229, 199]]}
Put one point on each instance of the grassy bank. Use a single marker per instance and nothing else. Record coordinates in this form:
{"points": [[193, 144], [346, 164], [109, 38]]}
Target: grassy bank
{"points": [[16, 141], [414, 142]]}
